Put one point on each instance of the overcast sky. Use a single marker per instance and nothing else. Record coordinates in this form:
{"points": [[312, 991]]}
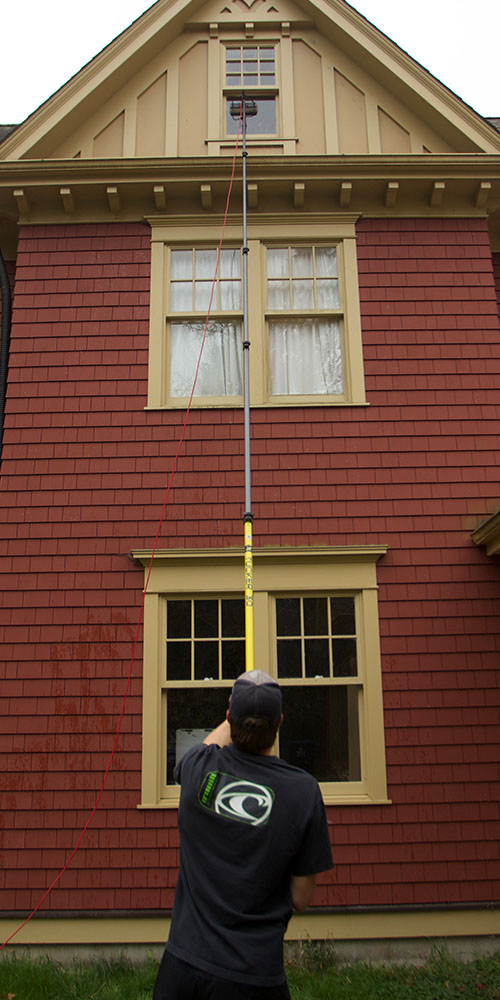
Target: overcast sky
{"points": [[44, 44]]}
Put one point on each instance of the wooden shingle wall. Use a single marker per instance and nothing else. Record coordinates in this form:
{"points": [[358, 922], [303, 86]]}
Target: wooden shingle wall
{"points": [[84, 472]]}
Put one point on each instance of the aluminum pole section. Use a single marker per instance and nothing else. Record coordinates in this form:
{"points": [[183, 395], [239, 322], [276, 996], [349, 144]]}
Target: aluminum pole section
{"points": [[248, 515]]}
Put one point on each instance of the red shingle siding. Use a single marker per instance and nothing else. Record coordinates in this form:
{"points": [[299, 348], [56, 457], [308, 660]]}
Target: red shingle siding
{"points": [[496, 271], [83, 480]]}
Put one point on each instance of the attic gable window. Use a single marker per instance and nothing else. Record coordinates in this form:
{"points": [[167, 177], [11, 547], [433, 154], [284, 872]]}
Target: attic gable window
{"points": [[252, 69]]}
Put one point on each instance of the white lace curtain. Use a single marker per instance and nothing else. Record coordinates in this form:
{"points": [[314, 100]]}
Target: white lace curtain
{"points": [[191, 276], [220, 367], [305, 353], [305, 357]]}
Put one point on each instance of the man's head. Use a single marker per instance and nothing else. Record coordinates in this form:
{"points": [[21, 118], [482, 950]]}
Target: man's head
{"points": [[255, 711]]}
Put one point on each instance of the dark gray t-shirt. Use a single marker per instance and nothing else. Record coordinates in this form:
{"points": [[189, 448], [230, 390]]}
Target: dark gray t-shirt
{"points": [[247, 824]]}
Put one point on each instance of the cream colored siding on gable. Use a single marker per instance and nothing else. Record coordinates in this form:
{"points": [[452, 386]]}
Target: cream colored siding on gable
{"points": [[109, 142], [351, 116], [393, 137], [193, 93], [151, 119], [309, 105], [326, 42]]}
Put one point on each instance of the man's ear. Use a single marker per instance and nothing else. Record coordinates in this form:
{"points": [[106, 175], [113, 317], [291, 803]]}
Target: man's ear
{"points": [[227, 715], [281, 720]]}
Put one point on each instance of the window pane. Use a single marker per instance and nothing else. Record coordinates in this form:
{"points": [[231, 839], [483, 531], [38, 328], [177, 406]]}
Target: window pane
{"points": [[343, 617], [263, 123], [326, 262], [202, 293], [302, 262], [206, 661], [320, 731], [178, 619], [230, 295], [233, 618], [315, 616], [220, 367], [289, 658], [205, 263], [305, 357], [181, 296], [327, 290], [233, 658], [303, 294], [206, 619], [288, 616], [178, 661], [181, 264], [230, 264], [278, 294], [277, 262], [345, 662], [192, 715], [317, 658]]}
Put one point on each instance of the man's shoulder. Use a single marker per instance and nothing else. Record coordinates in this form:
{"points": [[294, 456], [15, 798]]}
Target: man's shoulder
{"points": [[278, 770], [242, 764]]}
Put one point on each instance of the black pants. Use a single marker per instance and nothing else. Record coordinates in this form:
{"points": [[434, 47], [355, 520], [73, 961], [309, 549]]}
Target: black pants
{"points": [[178, 981]]}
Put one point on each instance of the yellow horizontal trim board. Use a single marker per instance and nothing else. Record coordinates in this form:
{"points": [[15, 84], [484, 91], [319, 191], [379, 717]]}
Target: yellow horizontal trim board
{"points": [[311, 926]]}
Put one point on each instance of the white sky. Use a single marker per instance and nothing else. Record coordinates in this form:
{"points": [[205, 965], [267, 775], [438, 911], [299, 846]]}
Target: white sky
{"points": [[45, 43]]}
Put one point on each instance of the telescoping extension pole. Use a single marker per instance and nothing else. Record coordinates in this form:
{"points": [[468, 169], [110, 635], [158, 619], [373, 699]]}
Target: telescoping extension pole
{"points": [[247, 109]]}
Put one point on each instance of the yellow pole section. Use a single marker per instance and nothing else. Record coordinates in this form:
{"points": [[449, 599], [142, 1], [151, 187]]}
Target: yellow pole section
{"points": [[249, 630]]}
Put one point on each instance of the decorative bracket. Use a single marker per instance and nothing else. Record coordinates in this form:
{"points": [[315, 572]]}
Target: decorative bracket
{"points": [[113, 199]]}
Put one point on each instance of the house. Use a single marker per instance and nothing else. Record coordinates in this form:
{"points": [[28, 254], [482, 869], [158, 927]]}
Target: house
{"points": [[374, 279]]}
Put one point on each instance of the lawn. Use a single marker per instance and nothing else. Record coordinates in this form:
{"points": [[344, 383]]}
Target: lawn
{"points": [[314, 979]]}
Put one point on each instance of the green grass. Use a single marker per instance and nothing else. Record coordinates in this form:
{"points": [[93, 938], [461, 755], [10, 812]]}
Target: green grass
{"points": [[313, 979], [441, 979]]}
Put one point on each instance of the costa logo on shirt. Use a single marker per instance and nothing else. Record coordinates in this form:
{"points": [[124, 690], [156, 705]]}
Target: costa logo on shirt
{"points": [[243, 801]]}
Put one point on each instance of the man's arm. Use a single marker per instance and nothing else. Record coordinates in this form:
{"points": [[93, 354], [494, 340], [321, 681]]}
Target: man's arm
{"points": [[221, 735], [302, 890]]}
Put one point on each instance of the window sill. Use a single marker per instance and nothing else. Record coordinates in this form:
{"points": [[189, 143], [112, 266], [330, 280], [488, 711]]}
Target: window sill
{"points": [[328, 799], [289, 403]]}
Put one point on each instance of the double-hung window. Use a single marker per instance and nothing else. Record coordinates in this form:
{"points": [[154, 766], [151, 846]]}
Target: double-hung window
{"points": [[318, 637], [192, 292], [251, 69], [304, 316]]}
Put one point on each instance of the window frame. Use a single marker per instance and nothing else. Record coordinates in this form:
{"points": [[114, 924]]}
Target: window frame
{"points": [[315, 313], [224, 316], [349, 570], [252, 91], [336, 230]]}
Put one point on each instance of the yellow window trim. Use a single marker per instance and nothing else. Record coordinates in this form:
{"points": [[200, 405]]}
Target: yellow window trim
{"points": [[195, 573], [338, 229]]}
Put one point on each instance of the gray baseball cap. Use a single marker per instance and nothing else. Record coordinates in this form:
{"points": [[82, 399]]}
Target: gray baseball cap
{"points": [[256, 694]]}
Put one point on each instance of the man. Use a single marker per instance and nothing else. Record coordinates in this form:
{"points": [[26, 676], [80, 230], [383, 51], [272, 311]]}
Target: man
{"points": [[253, 836]]}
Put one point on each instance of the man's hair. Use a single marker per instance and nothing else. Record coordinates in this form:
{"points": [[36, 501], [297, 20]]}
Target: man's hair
{"points": [[253, 735]]}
